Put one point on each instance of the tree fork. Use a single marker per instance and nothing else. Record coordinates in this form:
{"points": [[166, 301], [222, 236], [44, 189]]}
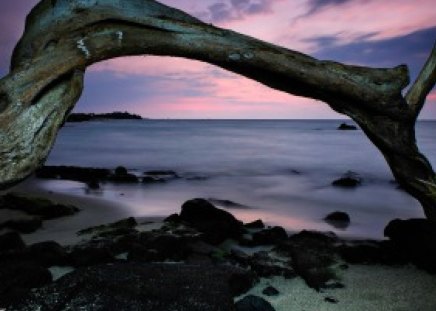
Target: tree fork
{"points": [[62, 38]]}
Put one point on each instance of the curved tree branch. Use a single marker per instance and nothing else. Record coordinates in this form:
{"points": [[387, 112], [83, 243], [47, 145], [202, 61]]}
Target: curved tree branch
{"points": [[63, 37], [424, 83]]}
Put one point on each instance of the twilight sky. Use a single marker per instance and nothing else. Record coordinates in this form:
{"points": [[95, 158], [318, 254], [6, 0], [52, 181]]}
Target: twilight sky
{"points": [[364, 32]]}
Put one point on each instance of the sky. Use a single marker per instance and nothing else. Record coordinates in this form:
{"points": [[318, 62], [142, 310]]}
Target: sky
{"points": [[362, 32]]}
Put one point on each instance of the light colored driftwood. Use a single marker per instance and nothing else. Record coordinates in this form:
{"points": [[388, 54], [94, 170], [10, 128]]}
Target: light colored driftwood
{"points": [[63, 37]]}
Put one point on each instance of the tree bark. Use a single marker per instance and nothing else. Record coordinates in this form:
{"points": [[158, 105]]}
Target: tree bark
{"points": [[62, 38]]}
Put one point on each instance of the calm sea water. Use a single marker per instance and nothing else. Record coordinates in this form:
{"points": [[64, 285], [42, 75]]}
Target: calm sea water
{"points": [[281, 170]]}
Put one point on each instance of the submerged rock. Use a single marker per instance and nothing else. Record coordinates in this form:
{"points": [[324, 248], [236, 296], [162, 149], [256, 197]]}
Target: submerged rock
{"points": [[134, 286], [253, 303], [216, 224], [123, 176], [348, 180], [339, 220]]}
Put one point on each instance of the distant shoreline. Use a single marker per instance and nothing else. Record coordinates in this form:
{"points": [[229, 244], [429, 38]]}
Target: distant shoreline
{"points": [[84, 117]]}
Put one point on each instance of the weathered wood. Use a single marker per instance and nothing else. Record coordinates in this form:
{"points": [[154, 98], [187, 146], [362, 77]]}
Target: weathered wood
{"points": [[63, 37]]}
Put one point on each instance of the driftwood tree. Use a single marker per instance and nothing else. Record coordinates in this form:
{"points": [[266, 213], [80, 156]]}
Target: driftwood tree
{"points": [[63, 37]]}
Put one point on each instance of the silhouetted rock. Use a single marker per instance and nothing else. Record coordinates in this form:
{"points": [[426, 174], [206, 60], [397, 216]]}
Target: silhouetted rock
{"points": [[264, 265], [348, 180], [226, 203], [123, 176], [339, 220], [253, 303], [346, 127], [23, 225], [272, 235], [43, 208], [216, 224], [134, 286], [82, 174], [313, 256], [17, 278], [93, 184], [257, 224], [270, 291], [127, 223], [47, 254], [175, 218], [414, 239], [11, 241]]}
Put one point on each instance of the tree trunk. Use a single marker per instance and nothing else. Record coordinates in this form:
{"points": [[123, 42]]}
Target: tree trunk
{"points": [[62, 38]]}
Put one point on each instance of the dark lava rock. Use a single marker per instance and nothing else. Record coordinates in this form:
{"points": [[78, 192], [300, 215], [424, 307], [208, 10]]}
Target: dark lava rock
{"points": [[127, 223], [331, 300], [93, 184], [257, 224], [270, 291], [89, 255], [313, 256], [415, 240], [339, 220], [226, 203], [346, 127], [48, 254], [131, 286], [216, 224], [174, 218], [17, 278], [82, 174], [265, 266], [11, 241], [348, 180], [123, 176], [272, 235], [253, 303], [43, 208], [23, 225]]}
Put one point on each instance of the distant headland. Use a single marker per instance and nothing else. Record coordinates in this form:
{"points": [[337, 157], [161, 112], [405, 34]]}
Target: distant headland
{"points": [[117, 115]]}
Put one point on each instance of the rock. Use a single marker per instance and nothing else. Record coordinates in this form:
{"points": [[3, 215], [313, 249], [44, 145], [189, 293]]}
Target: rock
{"points": [[348, 180], [17, 278], [346, 127], [123, 176], [217, 225], [313, 256], [111, 228], [93, 184], [257, 224], [48, 254], [270, 291], [90, 255], [272, 235], [174, 218], [11, 241], [43, 208], [414, 240], [167, 173], [82, 174], [253, 303], [151, 180], [339, 220], [266, 266], [23, 225], [226, 203], [134, 286], [331, 300]]}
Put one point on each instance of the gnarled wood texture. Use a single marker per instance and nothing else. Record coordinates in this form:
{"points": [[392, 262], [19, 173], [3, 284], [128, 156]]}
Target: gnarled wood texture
{"points": [[63, 37]]}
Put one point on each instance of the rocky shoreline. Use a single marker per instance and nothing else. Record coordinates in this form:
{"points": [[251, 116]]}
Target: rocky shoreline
{"points": [[199, 259]]}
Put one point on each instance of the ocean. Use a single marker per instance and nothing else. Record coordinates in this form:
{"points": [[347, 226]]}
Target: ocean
{"points": [[278, 170]]}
